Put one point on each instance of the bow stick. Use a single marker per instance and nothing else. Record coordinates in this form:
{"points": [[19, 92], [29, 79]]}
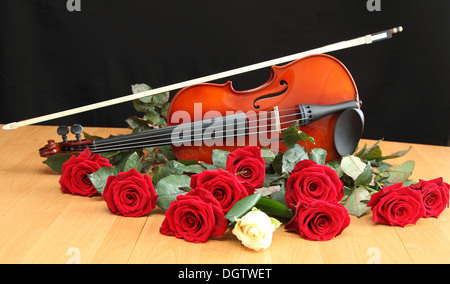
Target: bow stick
{"points": [[368, 39]]}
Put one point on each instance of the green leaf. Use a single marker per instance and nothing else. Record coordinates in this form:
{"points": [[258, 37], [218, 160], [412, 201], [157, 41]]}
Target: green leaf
{"points": [[267, 155], [396, 154], [188, 162], [137, 124], [176, 168], [133, 161], [318, 155], [170, 168], [209, 166], [168, 188], [401, 173], [165, 110], [193, 169], [268, 190], [372, 152], [56, 161], [337, 167], [161, 99], [354, 203], [143, 107], [154, 118], [219, 158], [408, 182], [292, 135], [292, 156], [359, 153], [241, 207], [167, 152], [139, 88], [280, 196], [305, 137], [334, 164], [366, 176], [275, 179], [347, 192], [88, 136], [352, 166], [277, 163], [120, 158], [100, 177], [274, 208]]}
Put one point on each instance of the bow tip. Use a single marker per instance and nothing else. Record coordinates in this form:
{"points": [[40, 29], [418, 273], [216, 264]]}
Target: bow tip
{"points": [[10, 126]]}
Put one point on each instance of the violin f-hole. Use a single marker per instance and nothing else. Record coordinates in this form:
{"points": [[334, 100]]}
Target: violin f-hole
{"points": [[282, 82]]}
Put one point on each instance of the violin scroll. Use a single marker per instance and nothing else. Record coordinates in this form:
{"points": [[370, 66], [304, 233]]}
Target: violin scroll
{"points": [[50, 149], [66, 146]]}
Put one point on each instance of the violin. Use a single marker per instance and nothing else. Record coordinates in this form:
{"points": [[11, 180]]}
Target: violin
{"points": [[314, 90]]}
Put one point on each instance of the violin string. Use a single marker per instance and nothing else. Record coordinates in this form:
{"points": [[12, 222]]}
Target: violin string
{"points": [[167, 130], [163, 132], [144, 144], [154, 142], [113, 144]]}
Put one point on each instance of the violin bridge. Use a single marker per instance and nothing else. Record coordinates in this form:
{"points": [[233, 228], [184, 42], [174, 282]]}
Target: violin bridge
{"points": [[276, 114]]}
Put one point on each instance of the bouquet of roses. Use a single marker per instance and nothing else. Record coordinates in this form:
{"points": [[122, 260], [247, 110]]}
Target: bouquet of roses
{"points": [[250, 189]]}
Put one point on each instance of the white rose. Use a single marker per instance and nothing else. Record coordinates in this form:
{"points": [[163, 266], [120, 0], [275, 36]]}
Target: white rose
{"points": [[255, 229]]}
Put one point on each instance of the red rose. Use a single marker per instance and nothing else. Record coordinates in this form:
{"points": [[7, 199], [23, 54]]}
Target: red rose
{"points": [[74, 178], [310, 181], [224, 186], [250, 165], [195, 217], [435, 196], [396, 205], [319, 220], [130, 194]]}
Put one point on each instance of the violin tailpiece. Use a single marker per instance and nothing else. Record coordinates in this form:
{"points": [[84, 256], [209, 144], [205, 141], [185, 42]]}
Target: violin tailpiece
{"points": [[311, 113]]}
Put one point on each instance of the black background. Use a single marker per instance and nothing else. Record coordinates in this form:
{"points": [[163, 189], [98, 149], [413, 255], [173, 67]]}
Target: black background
{"points": [[52, 59]]}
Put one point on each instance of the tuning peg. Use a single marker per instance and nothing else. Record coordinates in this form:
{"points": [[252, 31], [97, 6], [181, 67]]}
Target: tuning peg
{"points": [[63, 131], [77, 129]]}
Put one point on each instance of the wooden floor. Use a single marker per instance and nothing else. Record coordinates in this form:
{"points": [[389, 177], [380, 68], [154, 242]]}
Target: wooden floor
{"points": [[39, 224]]}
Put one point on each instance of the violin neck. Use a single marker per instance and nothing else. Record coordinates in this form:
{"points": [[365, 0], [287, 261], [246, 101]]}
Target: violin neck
{"points": [[192, 133]]}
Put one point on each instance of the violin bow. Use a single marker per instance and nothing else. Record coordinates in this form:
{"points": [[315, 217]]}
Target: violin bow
{"points": [[367, 39]]}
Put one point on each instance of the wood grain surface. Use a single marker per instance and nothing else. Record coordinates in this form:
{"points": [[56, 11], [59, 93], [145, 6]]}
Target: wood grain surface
{"points": [[40, 224]]}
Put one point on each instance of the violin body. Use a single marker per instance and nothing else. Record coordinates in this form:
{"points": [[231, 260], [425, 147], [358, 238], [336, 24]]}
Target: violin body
{"points": [[316, 79]]}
